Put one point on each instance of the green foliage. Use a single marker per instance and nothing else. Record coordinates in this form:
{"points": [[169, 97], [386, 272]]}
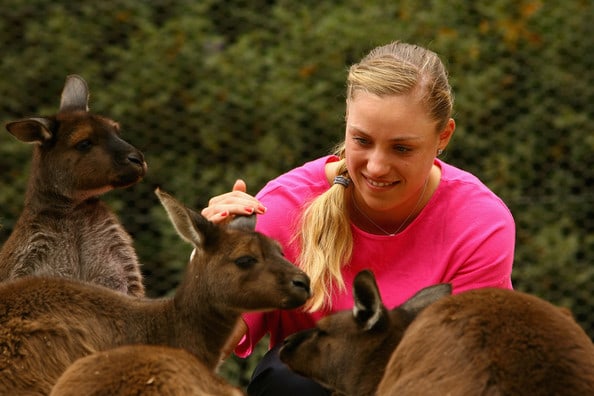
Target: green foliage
{"points": [[212, 91]]}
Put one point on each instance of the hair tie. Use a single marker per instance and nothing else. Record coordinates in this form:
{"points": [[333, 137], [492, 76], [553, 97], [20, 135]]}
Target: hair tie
{"points": [[343, 181]]}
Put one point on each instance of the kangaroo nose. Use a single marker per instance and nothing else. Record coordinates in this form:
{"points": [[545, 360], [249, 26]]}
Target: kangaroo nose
{"points": [[302, 282], [136, 158]]}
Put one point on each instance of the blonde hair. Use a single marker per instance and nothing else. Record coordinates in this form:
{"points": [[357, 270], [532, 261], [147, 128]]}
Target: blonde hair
{"points": [[326, 239]]}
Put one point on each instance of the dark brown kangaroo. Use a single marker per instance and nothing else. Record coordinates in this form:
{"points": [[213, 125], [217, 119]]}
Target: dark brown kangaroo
{"points": [[48, 323], [348, 351], [64, 229]]}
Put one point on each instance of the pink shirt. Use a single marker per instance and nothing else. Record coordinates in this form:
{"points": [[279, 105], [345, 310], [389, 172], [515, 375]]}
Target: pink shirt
{"points": [[465, 236]]}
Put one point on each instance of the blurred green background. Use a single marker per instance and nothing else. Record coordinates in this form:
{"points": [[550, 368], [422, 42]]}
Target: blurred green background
{"points": [[216, 90]]}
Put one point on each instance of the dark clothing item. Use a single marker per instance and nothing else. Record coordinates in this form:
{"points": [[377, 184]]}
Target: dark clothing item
{"points": [[273, 378]]}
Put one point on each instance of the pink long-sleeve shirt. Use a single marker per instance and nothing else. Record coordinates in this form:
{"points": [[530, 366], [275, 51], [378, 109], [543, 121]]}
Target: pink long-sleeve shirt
{"points": [[465, 236]]}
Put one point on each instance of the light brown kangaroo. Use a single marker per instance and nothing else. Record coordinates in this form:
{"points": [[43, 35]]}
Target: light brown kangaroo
{"points": [[146, 370], [48, 323], [492, 342], [479, 342], [64, 229]]}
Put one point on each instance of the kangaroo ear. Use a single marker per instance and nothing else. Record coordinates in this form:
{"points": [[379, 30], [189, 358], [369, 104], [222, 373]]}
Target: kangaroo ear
{"points": [[32, 130], [243, 222], [75, 94], [369, 309], [425, 297], [191, 226]]}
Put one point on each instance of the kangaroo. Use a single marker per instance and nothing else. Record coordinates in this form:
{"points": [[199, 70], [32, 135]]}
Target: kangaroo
{"points": [[347, 352], [479, 342], [492, 342], [64, 229], [46, 323], [147, 370]]}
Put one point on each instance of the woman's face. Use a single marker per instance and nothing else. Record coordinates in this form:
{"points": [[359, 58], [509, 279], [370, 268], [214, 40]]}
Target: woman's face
{"points": [[390, 146]]}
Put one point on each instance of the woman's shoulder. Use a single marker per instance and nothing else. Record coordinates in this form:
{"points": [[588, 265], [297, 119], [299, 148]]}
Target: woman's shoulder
{"points": [[451, 173], [304, 179], [286, 195], [462, 189]]}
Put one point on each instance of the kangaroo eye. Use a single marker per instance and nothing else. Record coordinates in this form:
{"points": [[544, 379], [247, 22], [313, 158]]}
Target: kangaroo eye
{"points": [[322, 333], [245, 261], [84, 145]]}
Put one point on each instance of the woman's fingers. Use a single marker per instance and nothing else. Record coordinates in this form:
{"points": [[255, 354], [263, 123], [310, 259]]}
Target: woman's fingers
{"points": [[239, 186], [236, 202]]}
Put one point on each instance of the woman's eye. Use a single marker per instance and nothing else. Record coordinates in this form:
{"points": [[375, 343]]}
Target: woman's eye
{"points": [[401, 149], [84, 145], [361, 141]]}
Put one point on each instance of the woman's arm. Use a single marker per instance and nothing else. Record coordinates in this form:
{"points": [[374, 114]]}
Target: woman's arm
{"points": [[236, 336]]}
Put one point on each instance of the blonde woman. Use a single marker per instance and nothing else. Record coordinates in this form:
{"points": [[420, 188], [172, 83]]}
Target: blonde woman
{"points": [[384, 201]]}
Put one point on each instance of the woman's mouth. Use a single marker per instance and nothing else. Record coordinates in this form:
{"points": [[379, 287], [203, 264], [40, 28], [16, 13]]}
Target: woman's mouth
{"points": [[380, 184]]}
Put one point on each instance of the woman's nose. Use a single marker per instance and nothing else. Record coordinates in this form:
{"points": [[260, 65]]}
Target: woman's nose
{"points": [[377, 164]]}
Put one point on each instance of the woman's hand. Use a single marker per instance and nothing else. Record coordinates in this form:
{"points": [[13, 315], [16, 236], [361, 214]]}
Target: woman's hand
{"points": [[236, 202]]}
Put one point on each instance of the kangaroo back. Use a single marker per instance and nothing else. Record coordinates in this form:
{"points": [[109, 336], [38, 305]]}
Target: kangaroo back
{"points": [[64, 229], [141, 370], [492, 342]]}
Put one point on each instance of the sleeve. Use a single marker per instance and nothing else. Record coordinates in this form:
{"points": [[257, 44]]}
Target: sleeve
{"points": [[256, 329], [486, 251]]}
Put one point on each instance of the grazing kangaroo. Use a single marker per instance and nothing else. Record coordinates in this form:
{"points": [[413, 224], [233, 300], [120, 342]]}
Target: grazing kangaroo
{"points": [[348, 351], [146, 370], [479, 342], [48, 323], [492, 342], [64, 229]]}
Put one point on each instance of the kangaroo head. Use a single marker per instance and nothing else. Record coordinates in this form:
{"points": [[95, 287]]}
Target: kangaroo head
{"points": [[239, 268], [78, 154]]}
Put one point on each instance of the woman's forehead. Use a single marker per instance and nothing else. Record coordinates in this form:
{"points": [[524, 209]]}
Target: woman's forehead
{"points": [[401, 117]]}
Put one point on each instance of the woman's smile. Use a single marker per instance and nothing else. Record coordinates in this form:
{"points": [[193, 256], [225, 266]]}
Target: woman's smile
{"points": [[380, 184]]}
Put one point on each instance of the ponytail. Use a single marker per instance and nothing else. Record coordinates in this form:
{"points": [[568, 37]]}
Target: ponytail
{"points": [[326, 241]]}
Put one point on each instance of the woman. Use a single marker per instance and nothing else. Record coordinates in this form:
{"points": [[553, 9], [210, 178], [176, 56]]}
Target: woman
{"points": [[384, 201]]}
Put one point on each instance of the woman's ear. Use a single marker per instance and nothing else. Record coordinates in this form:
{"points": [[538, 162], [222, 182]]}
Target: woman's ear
{"points": [[446, 134]]}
